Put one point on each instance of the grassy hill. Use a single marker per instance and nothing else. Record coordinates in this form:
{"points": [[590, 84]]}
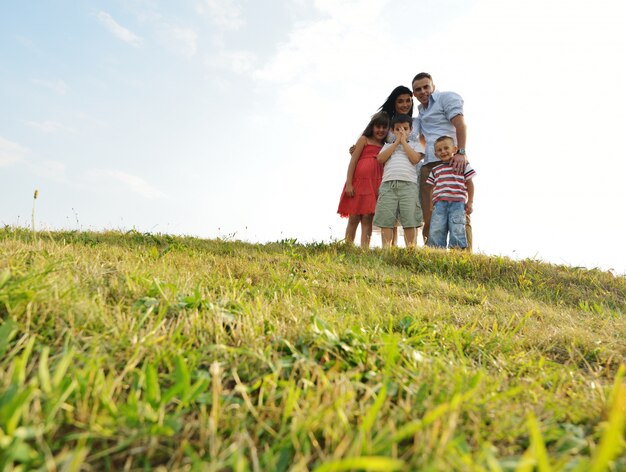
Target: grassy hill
{"points": [[138, 352]]}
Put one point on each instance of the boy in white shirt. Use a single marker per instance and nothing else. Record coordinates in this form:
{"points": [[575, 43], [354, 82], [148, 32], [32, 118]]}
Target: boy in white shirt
{"points": [[398, 194]]}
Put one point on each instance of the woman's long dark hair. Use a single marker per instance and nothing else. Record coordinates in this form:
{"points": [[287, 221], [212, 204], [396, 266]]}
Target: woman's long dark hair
{"points": [[389, 106]]}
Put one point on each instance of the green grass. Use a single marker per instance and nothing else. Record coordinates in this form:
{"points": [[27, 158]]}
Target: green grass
{"points": [[145, 352]]}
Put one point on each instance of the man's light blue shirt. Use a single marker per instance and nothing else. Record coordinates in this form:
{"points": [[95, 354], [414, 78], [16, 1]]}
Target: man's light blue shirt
{"points": [[434, 121]]}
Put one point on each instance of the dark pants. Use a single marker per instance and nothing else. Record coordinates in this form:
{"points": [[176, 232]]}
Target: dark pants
{"points": [[426, 200]]}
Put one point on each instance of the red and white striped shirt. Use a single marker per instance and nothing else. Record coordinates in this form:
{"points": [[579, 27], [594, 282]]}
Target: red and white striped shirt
{"points": [[449, 186]]}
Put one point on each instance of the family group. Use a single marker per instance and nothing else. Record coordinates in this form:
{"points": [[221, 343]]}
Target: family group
{"points": [[412, 172]]}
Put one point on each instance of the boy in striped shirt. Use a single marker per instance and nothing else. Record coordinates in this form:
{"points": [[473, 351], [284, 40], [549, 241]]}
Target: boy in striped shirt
{"points": [[453, 198]]}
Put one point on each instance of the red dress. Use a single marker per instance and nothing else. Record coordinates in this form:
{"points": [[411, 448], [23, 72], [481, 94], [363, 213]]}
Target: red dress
{"points": [[366, 180]]}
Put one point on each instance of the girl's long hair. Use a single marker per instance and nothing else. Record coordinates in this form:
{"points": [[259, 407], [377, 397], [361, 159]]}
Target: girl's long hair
{"points": [[380, 118], [389, 106]]}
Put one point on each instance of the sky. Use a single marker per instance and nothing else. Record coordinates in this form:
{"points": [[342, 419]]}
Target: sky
{"points": [[233, 118]]}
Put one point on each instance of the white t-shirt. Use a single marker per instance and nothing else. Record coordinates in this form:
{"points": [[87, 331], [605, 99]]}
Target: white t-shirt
{"points": [[398, 166]]}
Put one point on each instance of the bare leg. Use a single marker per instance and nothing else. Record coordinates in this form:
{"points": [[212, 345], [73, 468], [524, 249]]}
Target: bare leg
{"points": [[366, 230], [426, 199], [468, 232], [386, 235], [353, 223], [410, 237], [394, 238]]}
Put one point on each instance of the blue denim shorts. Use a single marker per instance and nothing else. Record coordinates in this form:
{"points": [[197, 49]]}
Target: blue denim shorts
{"points": [[448, 219]]}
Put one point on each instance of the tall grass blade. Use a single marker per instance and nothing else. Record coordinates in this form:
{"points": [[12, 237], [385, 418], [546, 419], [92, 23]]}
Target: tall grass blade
{"points": [[61, 368], [153, 390], [369, 464], [19, 366], [44, 371], [537, 445], [612, 440], [370, 418], [8, 330]]}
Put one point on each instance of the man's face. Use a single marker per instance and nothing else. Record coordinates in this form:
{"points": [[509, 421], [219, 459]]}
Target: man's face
{"points": [[422, 89]]}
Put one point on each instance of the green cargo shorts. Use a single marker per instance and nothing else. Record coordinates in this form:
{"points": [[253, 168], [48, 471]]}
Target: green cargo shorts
{"points": [[398, 200]]}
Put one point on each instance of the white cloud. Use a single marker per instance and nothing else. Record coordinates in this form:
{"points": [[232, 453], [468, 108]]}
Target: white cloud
{"points": [[171, 34], [352, 12], [54, 170], [87, 120], [345, 40], [57, 86], [11, 152], [118, 30], [49, 126], [345, 60], [239, 62], [225, 14], [132, 182], [180, 39]]}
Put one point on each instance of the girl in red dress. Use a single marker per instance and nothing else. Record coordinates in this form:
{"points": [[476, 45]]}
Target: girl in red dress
{"points": [[358, 199]]}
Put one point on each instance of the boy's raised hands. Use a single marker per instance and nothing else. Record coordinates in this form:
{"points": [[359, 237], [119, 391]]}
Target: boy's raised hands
{"points": [[402, 135]]}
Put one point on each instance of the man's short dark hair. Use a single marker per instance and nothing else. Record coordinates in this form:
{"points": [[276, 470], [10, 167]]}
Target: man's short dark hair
{"points": [[401, 119], [422, 75]]}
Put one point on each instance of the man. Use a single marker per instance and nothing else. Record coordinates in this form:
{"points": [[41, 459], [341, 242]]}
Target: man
{"points": [[440, 114]]}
